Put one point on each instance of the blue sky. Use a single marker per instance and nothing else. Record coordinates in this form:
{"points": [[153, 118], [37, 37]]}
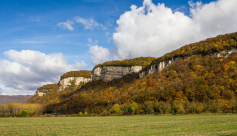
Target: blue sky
{"points": [[32, 24], [82, 33]]}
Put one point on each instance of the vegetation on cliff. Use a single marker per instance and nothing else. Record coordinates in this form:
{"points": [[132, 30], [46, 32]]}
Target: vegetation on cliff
{"points": [[201, 83], [198, 84], [81, 73], [205, 47], [46, 88], [140, 61]]}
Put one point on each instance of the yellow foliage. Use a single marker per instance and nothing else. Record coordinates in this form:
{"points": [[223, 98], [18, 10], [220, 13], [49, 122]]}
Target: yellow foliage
{"points": [[197, 67], [116, 108], [226, 67], [81, 73], [200, 107], [231, 63], [228, 105]]}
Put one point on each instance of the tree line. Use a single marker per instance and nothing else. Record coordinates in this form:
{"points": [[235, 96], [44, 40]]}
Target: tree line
{"points": [[20, 110]]}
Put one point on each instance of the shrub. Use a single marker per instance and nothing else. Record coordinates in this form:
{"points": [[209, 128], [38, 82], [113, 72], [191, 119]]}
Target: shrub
{"points": [[148, 107], [177, 107], [22, 113], [133, 107], [80, 114], [85, 113], [125, 108], [93, 114], [116, 109], [199, 108], [105, 113]]}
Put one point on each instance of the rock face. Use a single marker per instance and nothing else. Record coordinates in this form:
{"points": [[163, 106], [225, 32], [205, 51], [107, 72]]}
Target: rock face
{"points": [[108, 73], [69, 80], [45, 88], [163, 64], [41, 93]]}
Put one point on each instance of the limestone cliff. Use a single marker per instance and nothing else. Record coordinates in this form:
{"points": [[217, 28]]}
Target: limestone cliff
{"points": [[161, 65], [108, 73], [64, 83], [76, 77], [116, 69], [70, 78], [45, 88]]}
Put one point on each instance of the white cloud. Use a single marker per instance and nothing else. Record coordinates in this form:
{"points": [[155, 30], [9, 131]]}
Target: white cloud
{"points": [[99, 53], [34, 18], [153, 30], [67, 25], [191, 4], [29, 70], [89, 40], [89, 24], [181, 9]]}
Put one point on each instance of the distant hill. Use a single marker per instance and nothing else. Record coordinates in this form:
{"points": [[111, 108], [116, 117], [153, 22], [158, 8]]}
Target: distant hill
{"points": [[5, 99]]}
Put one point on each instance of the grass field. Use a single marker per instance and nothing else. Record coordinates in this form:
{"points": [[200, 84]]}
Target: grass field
{"points": [[221, 125]]}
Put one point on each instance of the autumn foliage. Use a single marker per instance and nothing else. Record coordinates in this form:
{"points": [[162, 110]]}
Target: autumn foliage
{"points": [[194, 85], [200, 83], [21, 110], [205, 47], [81, 73], [140, 61], [48, 86]]}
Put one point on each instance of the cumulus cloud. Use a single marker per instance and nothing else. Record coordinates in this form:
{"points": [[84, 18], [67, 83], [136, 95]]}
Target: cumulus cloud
{"points": [[153, 30], [29, 70], [66, 25], [89, 23], [99, 53]]}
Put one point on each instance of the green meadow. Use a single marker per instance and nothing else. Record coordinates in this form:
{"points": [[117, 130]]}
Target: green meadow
{"points": [[220, 125]]}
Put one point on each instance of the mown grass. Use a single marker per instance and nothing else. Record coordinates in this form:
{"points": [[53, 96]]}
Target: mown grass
{"points": [[221, 125]]}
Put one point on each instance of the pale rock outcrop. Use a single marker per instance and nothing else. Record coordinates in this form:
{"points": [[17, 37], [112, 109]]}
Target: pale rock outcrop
{"points": [[163, 64], [108, 73], [95, 74], [64, 83], [69, 80], [40, 93]]}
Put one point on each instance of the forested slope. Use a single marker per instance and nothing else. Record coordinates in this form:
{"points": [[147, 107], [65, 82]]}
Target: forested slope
{"points": [[205, 47], [198, 84]]}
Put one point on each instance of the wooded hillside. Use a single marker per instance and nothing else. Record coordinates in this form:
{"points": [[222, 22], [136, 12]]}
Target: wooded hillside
{"points": [[205, 47], [198, 84]]}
